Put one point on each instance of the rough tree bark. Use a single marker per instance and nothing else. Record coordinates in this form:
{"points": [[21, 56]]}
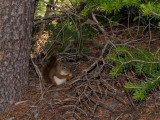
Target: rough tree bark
{"points": [[16, 17]]}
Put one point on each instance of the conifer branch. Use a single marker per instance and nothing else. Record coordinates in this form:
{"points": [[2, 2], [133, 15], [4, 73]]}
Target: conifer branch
{"points": [[143, 62]]}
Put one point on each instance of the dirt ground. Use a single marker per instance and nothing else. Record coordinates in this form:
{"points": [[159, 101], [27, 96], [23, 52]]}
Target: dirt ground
{"points": [[91, 95]]}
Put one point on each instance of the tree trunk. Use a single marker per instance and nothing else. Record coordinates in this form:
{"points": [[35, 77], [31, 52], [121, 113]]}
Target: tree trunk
{"points": [[16, 17]]}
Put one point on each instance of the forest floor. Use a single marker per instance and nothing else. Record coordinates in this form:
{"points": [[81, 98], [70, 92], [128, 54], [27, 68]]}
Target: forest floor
{"points": [[92, 95]]}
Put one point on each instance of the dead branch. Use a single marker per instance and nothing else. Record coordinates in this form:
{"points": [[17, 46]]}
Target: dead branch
{"points": [[39, 75]]}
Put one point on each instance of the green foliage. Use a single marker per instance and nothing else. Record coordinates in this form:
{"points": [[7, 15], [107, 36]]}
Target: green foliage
{"points": [[147, 8], [141, 18], [65, 31], [62, 30], [144, 64], [150, 9], [158, 25], [41, 8]]}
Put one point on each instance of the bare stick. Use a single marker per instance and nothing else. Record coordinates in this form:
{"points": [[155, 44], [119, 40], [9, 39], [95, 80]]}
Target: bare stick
{"points": [[104, 33], [105, 46], [68, 46], [39, 75], [150, 36]]}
